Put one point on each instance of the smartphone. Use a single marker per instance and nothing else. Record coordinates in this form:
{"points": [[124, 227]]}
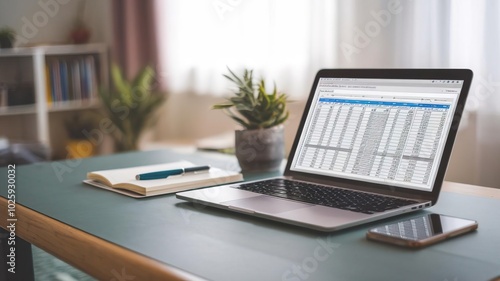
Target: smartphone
{"points": [[421, 231]]}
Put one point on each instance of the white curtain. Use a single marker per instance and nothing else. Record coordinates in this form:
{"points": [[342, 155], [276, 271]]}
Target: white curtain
{"points": [[288, 41], [283, 41], [440, 34]]}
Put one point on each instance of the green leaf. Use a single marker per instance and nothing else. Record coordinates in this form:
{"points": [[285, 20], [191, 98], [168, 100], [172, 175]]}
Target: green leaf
{"points": [[251, 106], [143, 80], [222, 106]]}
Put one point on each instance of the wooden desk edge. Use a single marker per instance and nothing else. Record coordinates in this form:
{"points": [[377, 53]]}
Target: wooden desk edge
{"points": [[474, 190], [99, 258]]}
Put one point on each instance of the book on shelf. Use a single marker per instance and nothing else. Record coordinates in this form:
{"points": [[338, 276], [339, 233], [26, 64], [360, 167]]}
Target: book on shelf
{"points": [[63, 68], [123, 180], [77, 90], [71, 79], [48, 84]]}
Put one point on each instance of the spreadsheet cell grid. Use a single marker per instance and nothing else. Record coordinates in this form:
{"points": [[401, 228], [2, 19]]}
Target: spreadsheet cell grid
{"points": [[387, 140]]}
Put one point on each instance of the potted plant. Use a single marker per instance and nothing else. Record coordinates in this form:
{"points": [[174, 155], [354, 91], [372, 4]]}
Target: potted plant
{"points": [[260, 146], [130, 105], [80, 33], [7, 37]]}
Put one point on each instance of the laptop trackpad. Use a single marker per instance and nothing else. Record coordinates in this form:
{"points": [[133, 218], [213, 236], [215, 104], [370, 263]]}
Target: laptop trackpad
{"points": [[265, 204]]}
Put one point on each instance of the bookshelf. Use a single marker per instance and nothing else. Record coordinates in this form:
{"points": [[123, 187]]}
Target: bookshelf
{"points": [[47, 80]]}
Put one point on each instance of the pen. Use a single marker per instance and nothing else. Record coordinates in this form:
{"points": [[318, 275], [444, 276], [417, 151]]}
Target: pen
{"points": [[167, 173]]}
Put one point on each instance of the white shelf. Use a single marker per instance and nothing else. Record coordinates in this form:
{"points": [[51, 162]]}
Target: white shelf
{"points": [[18, 110], [72, 105], [58, 50], [41, 108], [53, 107]]}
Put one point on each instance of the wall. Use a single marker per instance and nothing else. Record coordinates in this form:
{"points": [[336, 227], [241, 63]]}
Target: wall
{"points": [[50, 21]]}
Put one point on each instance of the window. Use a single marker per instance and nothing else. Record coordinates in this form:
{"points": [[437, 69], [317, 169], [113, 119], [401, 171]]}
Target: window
{"points": [[283, 41]]}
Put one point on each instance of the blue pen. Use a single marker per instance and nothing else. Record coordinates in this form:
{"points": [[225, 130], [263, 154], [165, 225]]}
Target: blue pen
{"points": [[167, 173]]}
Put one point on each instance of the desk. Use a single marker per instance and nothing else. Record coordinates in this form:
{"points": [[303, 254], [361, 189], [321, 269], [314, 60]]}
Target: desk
{"points": [[109, 235]]}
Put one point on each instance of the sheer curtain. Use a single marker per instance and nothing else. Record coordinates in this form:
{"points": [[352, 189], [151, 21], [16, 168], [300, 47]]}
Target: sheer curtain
{"points": [[442, 34], [288, 41], [284, 41], [447, 34]]}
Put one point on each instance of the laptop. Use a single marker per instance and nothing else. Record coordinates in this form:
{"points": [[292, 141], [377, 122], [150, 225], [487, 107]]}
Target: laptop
{"points": [[371, 144]]}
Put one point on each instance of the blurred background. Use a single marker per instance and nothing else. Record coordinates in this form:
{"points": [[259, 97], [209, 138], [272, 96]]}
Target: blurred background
{"points": [[60, 61], [190, 45]]}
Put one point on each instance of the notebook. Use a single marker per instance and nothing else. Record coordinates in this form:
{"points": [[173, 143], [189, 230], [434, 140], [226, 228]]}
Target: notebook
{"points": [[123, 180], [372, 143]]}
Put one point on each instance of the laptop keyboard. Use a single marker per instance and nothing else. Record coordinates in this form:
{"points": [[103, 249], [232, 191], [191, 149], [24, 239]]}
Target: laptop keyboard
{"points": [[326, 196]]}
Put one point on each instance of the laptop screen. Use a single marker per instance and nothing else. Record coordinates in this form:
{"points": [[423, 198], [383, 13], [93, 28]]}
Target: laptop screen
{"points": [[383, 131]]}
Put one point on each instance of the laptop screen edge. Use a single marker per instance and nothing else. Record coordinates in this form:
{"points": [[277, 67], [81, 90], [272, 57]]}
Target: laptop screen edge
{"points": [[390, 73]]}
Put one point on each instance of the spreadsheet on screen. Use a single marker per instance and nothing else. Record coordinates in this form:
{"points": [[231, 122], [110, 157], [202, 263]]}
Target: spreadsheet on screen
{"points": [[378, 130]]}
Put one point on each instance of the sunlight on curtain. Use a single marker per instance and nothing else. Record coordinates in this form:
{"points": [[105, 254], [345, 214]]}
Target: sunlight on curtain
{"points": [[283, 41], [469, 37], [438, 34]]}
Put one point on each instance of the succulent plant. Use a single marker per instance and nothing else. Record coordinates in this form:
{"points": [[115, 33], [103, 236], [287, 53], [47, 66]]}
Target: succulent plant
{"points": [[251, 106]]}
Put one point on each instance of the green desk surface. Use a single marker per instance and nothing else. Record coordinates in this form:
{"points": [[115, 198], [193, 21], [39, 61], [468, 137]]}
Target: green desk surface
{"points": [[220, 245]]}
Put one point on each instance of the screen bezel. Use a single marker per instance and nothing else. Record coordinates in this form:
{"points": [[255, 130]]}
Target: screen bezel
{"points": [[425, 74]]}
